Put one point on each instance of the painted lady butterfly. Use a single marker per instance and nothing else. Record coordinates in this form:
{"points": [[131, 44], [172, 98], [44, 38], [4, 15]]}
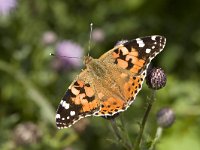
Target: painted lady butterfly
{"points": [[109, 84]]}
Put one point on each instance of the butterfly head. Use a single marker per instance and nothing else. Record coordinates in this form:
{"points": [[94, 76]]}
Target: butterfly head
{"points": [[87, 59]]}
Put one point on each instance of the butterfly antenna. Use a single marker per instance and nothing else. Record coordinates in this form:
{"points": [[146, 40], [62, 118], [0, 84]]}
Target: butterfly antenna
{"points": [[89, 44], [51, 54]]}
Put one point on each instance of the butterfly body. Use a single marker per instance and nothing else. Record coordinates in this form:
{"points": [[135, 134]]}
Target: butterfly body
{"points": [[109, 84]]}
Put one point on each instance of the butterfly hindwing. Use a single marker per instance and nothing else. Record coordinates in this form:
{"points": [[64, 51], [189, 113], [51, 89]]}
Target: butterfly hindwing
{"points": [[111, 104]]}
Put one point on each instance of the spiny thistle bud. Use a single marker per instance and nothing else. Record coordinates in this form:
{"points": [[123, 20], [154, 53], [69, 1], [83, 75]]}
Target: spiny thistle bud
{"points": [[165, 117], [156, 78]]}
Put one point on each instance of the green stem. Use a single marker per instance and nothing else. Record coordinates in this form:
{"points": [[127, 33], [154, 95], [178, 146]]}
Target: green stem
{"points": [[142, 126], [33, 93], [121, 137], [157, 137], [115, 129], [124, 128]]}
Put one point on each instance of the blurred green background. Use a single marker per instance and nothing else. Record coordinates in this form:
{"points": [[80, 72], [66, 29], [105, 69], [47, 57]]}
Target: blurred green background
{"points": [[32, 82]]}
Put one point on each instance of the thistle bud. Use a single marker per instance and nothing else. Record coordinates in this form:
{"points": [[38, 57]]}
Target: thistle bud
{"points": [[165, 117], [156, 78], [27, 133]]}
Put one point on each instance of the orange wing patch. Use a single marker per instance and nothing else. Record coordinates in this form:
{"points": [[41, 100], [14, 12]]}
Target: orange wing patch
{"points": [[79, 101], [85, 96], [110, 106], [122, 63], [128, 60], [88, 106], [132, 87]]}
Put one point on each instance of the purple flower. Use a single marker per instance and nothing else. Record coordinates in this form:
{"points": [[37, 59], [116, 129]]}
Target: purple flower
{"points": [[6, 6], [64, 50], [98, 35], [49, 37]]}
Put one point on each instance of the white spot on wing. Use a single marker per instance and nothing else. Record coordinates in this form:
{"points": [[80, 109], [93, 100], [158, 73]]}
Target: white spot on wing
{"points": [[148, 50], [140, 42], [72, 113], [64, 104], [61, 101], [57, 116], [153, 37]]}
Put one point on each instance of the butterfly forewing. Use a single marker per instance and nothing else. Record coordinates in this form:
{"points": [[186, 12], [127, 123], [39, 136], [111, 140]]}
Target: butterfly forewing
{"points": [[78, 102], [135, 55]]}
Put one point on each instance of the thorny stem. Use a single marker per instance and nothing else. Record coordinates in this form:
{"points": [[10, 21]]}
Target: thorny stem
{"points": [[121, 137], [142, 126], [125, 131], [115, 129]]}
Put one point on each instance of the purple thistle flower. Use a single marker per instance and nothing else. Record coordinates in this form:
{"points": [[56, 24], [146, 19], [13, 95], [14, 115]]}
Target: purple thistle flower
{"points": [[6, 6], [64, 50], [98, 35], [49, 37]]}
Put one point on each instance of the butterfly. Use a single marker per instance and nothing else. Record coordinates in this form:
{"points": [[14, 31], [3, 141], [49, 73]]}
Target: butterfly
{"points": [[109, 84]]}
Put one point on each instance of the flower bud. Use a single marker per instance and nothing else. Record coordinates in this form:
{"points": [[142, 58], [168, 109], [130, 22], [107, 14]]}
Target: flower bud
{"points": [[27, 133], [156, 78], [165, 117]]}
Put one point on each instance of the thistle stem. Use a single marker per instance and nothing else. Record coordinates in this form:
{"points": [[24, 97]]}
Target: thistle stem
{"points": [[157, 137], [142, 126], [115, 129], [122, 135]]}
